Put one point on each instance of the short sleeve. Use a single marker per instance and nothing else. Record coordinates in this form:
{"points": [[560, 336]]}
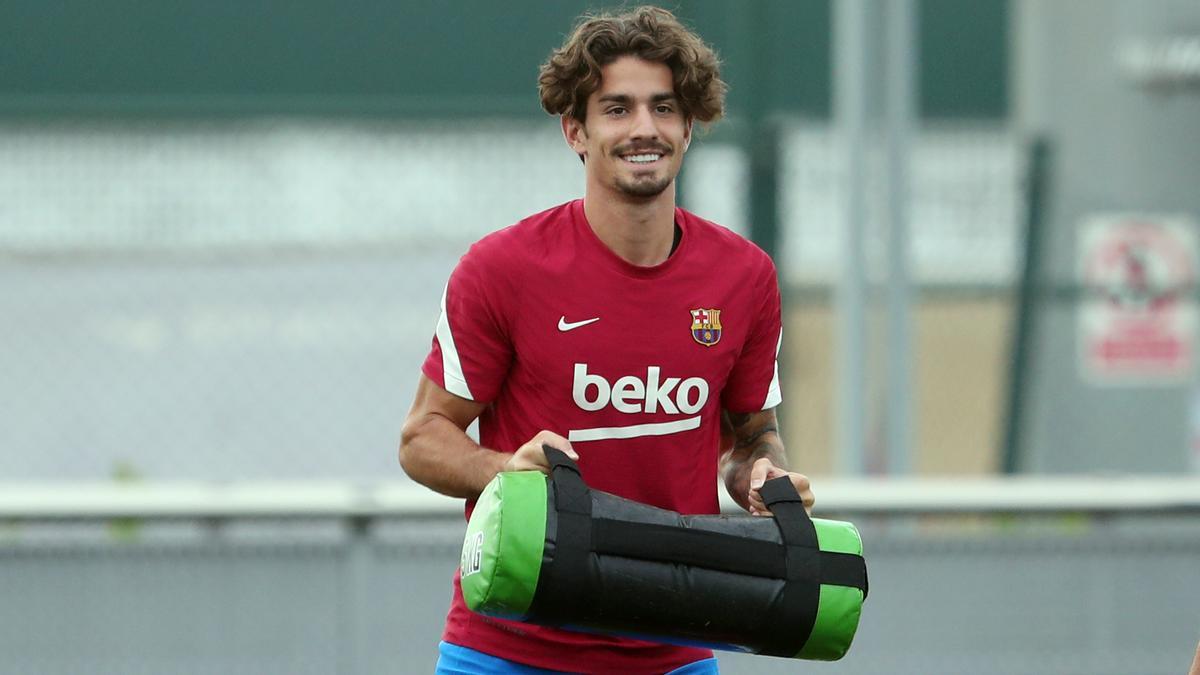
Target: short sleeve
{"points": [[472, 350], [753, 383]]}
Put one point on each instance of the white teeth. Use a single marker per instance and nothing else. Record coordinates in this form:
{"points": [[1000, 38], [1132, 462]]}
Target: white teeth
{"points": [[643, 159]]}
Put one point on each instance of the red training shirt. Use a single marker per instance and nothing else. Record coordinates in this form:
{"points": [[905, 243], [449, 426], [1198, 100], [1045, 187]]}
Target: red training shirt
{"points": [[633, 364]]}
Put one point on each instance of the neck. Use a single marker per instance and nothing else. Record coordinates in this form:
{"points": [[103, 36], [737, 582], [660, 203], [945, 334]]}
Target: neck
{"points": [[640, 231]]}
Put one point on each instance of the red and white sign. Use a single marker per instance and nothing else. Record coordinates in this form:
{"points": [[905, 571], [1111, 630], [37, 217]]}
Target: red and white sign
{"points": [[1137, 321]]}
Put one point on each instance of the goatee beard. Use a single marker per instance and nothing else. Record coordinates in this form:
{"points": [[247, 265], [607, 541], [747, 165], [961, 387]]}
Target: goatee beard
{"points": [[644, 188]]}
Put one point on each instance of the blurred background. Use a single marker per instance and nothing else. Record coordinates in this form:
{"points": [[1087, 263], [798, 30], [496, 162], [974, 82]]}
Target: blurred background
{"points": [[225, 227]]}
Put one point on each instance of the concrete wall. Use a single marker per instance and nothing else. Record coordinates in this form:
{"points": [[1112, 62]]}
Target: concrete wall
{"points": [[1118, 147]]}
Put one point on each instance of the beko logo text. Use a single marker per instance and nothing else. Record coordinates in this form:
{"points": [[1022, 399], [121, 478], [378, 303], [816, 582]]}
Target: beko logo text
{"points": [[631, 394]]}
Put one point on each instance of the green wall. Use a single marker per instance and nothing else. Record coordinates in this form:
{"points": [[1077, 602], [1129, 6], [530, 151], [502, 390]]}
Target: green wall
{"points": [[422, 57]]}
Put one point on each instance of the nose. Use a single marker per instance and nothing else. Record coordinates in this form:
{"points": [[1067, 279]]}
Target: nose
{"points": [[643, 123]]}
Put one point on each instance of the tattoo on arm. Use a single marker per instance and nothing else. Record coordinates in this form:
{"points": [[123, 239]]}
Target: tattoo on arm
{"points": [[755, 435]]}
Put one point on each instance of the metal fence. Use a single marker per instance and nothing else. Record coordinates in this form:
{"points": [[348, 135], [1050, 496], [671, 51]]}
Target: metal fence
{"points": [[1029, 576], [237, 299]]}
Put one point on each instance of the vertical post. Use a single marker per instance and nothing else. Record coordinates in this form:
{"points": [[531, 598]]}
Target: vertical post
{"points": [[849, 104], [1026, 310], [900, 68], [761, 139], [764, 176]]}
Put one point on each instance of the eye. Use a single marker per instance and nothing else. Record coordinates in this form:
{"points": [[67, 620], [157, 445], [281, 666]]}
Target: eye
{"points": [[615, 110], [665, 109]]}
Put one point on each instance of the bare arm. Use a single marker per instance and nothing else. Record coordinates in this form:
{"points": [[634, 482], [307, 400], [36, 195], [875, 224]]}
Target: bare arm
{"points": [[436, 451], [754, 453], [1195, 669]]}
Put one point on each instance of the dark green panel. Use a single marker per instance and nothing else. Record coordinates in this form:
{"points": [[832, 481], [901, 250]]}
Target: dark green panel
{"points": [[775, 52], [420, 57], [268, 55], [963, 56], [799, 73]]}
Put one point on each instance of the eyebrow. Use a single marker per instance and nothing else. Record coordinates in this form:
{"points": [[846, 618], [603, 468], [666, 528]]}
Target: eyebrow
{"points": [[626, 98]]}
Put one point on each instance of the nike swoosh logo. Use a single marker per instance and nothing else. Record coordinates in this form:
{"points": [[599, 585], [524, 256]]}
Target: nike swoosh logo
{"points": [[564, 326]]}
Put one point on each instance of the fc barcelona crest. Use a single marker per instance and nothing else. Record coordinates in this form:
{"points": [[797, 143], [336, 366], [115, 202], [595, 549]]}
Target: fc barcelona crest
{"points": [[706, 326]]}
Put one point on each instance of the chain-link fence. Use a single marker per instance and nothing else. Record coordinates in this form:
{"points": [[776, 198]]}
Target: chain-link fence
{"points": [[247, 299]]}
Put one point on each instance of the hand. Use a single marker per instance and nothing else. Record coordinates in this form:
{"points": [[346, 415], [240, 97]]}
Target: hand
{"points": [[762, 471], [531, 457]]}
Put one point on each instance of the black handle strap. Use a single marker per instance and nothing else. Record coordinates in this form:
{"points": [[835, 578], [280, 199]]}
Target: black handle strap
{"points": [[802, 593], [561, 588], [840, 569], [571, 494], [558, 458]]}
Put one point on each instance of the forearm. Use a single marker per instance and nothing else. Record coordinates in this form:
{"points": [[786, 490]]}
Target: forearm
{"points": [[436, 453], [755, 436]]}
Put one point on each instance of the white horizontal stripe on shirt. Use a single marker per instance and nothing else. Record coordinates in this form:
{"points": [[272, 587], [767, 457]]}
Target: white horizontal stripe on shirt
{"points": [[634, 431]]}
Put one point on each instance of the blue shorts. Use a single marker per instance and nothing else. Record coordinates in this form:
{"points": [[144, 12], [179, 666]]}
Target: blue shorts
{"points": [[456, 660]]}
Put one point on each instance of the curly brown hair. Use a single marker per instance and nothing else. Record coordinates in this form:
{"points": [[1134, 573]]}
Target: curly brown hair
{"points": [[572, 73]]}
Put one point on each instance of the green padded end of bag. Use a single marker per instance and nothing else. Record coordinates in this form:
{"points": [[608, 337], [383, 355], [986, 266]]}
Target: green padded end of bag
{"points": [[502, 555], [839, 606]]}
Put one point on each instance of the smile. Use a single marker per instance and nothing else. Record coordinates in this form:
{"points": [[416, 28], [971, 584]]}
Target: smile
{"points": [[647, 158]]}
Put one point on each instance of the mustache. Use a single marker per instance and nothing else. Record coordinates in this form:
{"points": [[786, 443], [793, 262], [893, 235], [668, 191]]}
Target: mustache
{"points": [[642, 149]]}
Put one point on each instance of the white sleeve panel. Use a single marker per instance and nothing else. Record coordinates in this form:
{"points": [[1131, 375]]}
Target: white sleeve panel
{"points": [[774, 395], [452, 371]]}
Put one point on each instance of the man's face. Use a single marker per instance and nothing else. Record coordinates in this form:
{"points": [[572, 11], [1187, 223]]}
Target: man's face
{"points": [[635, 134]]}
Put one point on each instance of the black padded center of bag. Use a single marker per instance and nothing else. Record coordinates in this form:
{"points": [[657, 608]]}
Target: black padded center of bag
{"points": [[571, 574]]}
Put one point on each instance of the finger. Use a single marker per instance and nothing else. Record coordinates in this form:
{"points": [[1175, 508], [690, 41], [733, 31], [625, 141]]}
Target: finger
{"points": [[537, 455], [571, 454], [800, 481], [544, 468], [557, 442], [541, 449], [807, 500], [528, 458], [760, 510], [759, 471], [803, 488]]}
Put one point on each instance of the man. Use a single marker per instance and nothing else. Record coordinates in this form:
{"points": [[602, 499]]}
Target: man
{"points": [[634, 336]]}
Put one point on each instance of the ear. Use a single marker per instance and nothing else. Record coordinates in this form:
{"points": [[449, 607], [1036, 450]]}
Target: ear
{"points": [[687, 135], [575, 134]]}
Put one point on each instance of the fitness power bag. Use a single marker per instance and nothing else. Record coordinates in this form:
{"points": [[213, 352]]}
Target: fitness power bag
{"points": [[551, 551]]}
